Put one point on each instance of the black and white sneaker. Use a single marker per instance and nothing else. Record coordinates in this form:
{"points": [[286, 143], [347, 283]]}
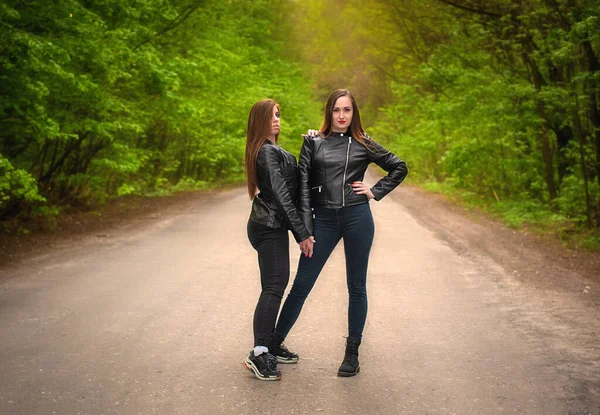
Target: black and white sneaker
{"points": [[283, 354], [264, 366]]}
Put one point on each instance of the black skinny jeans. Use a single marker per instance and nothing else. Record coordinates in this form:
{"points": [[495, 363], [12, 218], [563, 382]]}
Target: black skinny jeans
{"points": [[353, 224], [273, 248]]}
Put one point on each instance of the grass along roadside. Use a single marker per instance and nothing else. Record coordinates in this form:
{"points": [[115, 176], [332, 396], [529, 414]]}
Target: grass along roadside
{"points": [[524, 215]]}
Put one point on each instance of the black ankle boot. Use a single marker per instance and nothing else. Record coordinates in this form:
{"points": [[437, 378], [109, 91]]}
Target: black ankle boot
{"points": [[278, 349], [350, 366]]}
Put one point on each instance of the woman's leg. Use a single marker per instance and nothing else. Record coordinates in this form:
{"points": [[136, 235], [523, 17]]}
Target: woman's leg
{"points": [[326, 236], [358, 231], [272, 246]]}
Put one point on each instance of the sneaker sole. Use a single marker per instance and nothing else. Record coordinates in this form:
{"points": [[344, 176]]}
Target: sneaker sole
{"points": [[348, 374], [250, 366], [286, 360]]}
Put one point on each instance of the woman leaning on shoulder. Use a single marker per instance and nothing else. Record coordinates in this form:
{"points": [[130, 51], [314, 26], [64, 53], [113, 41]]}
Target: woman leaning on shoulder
{"points": [[272, 171]]}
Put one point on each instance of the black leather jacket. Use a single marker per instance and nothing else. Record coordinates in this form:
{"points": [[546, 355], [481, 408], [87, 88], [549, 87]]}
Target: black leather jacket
{"points": [[329, 165], [275, 205]]}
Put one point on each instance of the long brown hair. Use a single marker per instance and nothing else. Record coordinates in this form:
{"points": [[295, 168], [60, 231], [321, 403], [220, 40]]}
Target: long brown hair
{"points": [[259, 130], [356, 129]]}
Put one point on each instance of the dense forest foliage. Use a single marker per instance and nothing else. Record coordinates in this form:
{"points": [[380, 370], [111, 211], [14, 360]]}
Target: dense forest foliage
{"points": [[498, 99], [106, 98], [495, 100]]}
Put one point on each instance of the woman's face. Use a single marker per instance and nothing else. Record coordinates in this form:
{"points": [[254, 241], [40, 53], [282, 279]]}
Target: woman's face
{"points": [[274, 123], [341, 116]]}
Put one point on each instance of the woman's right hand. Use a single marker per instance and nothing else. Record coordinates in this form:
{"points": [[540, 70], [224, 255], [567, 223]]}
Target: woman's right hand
{"points": [[312, 133], [307, 246]]}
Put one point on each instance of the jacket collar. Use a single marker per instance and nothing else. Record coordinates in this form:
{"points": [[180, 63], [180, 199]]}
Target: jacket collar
{"points": [[346, 134]]}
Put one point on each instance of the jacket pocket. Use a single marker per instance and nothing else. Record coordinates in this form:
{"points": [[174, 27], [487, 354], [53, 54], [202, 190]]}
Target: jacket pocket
{"points": [[317, 193]]}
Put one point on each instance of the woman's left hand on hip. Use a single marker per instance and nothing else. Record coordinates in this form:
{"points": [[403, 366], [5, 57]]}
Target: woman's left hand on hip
{"points": [[362, 189]]}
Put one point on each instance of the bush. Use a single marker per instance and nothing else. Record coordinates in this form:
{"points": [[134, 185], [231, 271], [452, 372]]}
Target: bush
{"points": [[18, 191]]}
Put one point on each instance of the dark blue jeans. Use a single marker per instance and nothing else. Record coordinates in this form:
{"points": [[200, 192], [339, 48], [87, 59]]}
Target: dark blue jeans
{"points": [[353, 224], [273, 248]]}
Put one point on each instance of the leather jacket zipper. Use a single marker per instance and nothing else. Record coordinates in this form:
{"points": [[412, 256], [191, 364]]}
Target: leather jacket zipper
{"points": [[345, 170], [317, 187]]}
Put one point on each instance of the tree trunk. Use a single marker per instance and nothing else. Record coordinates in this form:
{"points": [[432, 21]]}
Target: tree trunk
{"points": [[578, 133], [594, 112], [543, 136]]}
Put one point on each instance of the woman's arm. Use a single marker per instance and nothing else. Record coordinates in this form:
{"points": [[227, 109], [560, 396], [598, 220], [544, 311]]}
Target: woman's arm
{"points": [[304, 166], [269, 162], [389, 162]]}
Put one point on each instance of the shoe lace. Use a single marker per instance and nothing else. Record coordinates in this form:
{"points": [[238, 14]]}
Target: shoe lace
{"points": [[351, 358], [352, 347], [271, 361]]}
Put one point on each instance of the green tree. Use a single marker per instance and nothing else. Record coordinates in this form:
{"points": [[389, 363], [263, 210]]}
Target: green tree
{"points": [[101, 99]]}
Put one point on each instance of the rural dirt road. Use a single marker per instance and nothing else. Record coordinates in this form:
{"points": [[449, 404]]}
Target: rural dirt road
{"points": [[465, 317]]}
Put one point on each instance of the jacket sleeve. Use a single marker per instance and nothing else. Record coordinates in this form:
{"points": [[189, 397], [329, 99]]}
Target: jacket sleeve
{"points": [[269, 160], [389, 162], [304, 166]]}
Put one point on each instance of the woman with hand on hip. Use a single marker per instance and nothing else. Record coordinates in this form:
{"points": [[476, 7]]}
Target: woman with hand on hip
{"points": [[273, 172], [332, 166]]}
